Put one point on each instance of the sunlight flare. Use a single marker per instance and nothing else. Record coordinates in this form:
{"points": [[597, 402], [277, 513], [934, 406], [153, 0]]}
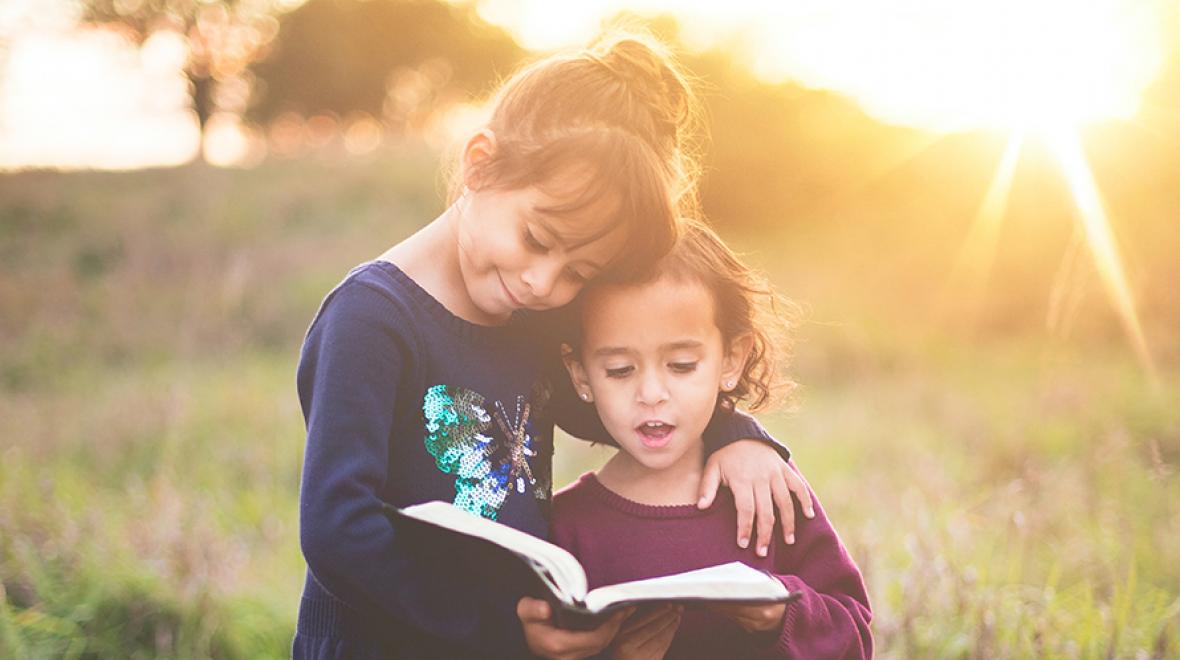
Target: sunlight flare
{"points": [[1095, 226], [970, 274], [946, 65], [967, 64]]}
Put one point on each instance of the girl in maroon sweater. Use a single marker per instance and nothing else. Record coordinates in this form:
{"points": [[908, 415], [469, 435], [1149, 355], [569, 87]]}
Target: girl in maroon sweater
{"points": [[656, 359]]}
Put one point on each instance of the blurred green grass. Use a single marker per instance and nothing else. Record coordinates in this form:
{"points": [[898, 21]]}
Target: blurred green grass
{"points": [[1006, 494]]}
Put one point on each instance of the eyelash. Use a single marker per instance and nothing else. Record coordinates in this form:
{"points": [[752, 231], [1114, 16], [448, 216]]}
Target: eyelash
{"points": [[533, 243], [676, 367], [619, 372], [540, 248]]}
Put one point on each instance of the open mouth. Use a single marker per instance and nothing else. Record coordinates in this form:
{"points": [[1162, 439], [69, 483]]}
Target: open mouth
{"points": [[655, 434]]}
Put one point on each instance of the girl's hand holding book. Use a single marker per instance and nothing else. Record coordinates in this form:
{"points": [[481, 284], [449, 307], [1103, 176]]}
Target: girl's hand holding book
{"points": [[647, 636], [549, 641], [755, 618], [760, 481]]}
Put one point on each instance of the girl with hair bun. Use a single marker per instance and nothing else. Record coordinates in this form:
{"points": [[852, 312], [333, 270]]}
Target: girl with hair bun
{"points": [[430, 373]]}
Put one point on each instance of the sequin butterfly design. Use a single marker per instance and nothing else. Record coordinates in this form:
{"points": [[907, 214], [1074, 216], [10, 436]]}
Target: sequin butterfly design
{"points": [[457, 435]]}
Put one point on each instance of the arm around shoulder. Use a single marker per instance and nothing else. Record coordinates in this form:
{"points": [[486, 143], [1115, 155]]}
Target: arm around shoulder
{"points": [[727, 426]]}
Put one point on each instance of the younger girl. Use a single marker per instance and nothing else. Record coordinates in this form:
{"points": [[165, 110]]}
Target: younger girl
{"points": [[655, 358], [423, 375]]}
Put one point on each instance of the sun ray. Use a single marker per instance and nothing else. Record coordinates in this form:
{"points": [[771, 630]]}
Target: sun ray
{"points": [[1160, 121], [969, 276], [1069, 286], [898, 158], [1095, 225]]}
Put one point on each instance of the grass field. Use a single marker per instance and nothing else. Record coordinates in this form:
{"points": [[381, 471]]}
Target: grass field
{"points": [[1005, 495]]}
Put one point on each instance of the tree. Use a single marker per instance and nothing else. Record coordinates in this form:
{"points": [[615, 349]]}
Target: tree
{"points": [[343, 56], [224, 36]]}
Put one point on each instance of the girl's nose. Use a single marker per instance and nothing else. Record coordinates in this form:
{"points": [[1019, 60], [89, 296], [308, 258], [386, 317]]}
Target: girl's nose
{"points": [[541, 278], [652, 390]]}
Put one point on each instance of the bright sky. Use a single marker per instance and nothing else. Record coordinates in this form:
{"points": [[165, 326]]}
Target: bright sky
{"points": [[939, 64], [90, 99], [74, 99]]}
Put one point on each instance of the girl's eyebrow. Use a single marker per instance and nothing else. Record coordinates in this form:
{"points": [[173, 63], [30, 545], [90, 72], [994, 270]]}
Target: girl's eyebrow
{"points": [[607, 351], [683, 344]]}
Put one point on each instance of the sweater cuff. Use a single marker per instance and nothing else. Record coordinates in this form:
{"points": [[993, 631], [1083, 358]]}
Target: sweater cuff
{"points": [[782, 644]]}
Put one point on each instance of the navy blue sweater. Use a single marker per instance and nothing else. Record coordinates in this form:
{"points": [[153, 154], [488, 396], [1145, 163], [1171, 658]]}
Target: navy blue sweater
{"points": [[404, 403]]}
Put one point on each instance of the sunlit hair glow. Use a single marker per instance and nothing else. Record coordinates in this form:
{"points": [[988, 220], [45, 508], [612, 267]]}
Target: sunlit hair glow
{"points": [[620, 112]]}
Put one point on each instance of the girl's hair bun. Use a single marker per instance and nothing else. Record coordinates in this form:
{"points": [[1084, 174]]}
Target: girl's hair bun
{"points": [[650, 72]]}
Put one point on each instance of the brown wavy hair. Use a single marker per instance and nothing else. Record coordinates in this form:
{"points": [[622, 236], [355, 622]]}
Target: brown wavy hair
{"points": [[744, 303], [624, 111]]}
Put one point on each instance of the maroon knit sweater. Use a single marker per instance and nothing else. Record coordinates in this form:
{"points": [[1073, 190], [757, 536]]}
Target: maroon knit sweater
{"points": [[618, 540]]}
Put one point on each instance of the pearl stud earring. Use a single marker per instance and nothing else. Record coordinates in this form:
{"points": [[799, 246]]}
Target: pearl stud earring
{"points": [[585, 397]]}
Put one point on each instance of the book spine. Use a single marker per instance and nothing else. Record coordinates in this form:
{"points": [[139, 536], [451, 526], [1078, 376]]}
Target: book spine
{"points": [[571, 618]]}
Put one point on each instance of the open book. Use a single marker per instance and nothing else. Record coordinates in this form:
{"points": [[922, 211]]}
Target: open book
{"points": [[575, 606]]}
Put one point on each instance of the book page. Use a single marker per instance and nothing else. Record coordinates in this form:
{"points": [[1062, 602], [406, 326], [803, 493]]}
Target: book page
{"points": [[732, 581], [557, 566]]}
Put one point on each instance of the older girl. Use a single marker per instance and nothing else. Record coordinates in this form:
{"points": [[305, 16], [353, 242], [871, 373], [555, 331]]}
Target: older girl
{"points": [[423, 375]]}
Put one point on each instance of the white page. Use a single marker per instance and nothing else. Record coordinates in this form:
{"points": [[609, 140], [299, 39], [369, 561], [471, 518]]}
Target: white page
{"points": [[564, 569], [732, 581]]}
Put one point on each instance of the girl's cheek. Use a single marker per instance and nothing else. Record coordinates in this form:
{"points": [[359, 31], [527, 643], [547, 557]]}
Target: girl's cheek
{"points": [[562, 296]]}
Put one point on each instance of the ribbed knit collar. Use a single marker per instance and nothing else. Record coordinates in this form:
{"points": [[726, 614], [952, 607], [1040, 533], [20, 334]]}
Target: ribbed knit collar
{"points": [[430, 305], [595, 488]]}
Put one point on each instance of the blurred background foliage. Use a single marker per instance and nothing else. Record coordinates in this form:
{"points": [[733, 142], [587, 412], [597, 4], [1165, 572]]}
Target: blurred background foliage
{"points": [[996, 459]]}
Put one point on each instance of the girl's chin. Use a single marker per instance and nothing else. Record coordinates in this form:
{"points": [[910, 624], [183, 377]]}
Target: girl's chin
{"points": [[655, 458]]}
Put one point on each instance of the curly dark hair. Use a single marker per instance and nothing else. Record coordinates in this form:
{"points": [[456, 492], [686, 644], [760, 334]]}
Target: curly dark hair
{"points": [[744, 303]]}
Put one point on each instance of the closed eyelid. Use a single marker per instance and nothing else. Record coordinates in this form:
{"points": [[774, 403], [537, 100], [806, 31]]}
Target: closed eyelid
{"points": [[555, 240], [538, 225], [576, 276], [579, 266], [530, 237]]}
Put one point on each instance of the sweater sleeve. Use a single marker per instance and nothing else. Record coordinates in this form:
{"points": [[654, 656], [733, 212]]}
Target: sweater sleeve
{"points": [[353, 360], [580, 419], [832, 618]]}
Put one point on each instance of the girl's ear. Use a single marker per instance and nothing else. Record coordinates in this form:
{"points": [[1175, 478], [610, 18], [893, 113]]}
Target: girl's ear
{"points": [[577, 373], [734, 362], [476, 153]]}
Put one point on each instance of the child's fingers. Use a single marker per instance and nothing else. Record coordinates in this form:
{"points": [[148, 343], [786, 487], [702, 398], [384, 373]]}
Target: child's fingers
{"points": [[753, 617], [601, 636], [616, 621], [786, 506], [651, 639], [663, 630], [532, 610], [725, 609], [647, 617], [710, 481], [546, 640], [798, 484], [743, 500], [739, 614], [765, 517]]}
